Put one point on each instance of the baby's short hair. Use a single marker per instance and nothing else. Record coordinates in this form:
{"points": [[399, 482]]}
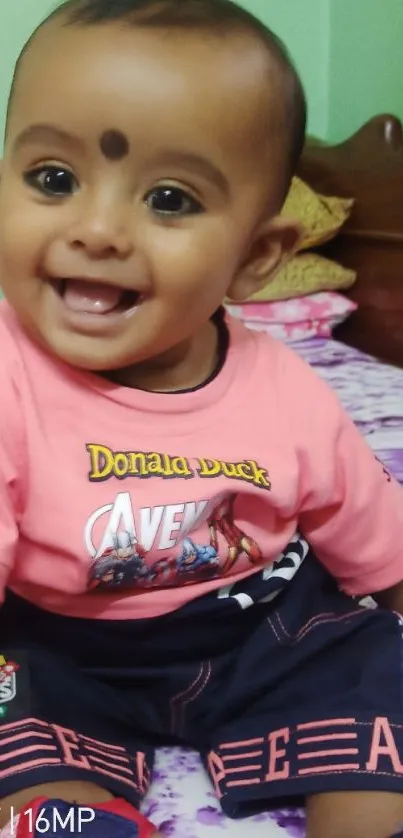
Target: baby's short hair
{"points": [[217, 17]]}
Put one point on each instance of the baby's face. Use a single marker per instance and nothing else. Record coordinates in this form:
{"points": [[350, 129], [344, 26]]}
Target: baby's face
{"points": [[136, 172]]}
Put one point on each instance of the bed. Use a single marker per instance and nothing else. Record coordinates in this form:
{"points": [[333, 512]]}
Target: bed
{"points": [[364, 364]]}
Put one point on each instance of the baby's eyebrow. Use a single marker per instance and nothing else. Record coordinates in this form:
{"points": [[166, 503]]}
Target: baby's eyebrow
{"points": [[197, 163], [43, 133]]}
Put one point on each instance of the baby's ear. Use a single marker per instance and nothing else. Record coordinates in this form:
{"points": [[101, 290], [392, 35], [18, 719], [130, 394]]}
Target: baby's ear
{"points": [[272, 247]]}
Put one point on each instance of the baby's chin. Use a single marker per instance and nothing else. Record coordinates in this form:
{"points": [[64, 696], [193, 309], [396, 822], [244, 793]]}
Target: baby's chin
{"points": [[88, 354]]}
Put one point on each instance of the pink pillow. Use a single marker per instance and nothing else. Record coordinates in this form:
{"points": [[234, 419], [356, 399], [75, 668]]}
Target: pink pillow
{"points": [[301, 318]]}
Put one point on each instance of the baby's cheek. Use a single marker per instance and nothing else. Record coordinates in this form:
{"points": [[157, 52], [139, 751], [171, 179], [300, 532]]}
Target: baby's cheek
{"points": [[192, 262], [20, 238]]}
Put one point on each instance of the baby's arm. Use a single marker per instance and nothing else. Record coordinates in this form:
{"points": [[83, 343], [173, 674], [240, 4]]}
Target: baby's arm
{"points": [[13, 470], [8, 530], [351, 508]]}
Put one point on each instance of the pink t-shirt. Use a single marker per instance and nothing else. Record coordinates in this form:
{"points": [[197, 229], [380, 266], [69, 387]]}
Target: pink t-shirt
{"points": [[121, 504]]}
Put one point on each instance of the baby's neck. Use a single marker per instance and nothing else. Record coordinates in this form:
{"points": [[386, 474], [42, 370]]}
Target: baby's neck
{"points": [[184, 367]]}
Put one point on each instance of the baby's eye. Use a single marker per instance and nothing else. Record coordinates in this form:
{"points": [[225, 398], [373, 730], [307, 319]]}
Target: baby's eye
{"points": [[172, 201], [52, 180]]}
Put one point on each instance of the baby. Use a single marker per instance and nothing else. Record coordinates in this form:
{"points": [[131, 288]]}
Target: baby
{"points": [[188, 520]]}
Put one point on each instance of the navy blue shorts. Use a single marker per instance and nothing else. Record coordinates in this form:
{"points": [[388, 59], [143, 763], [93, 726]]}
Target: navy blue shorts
{"points": [[284, 698]]}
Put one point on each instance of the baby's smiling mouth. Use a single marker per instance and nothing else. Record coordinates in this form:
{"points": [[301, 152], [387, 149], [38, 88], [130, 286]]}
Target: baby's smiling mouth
{"points": [[98, 297]]}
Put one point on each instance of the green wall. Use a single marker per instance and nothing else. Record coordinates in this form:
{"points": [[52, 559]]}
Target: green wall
{"points": [[366, 63], [348, 52], [350, 56]]}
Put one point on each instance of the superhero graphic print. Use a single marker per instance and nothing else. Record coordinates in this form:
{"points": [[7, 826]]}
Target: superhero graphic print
{"points": [[124, 562]]}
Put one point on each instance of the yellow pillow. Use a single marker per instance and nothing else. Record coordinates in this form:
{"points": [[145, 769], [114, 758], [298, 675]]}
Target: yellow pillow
{"points": [[306, 273], [320, 217]]}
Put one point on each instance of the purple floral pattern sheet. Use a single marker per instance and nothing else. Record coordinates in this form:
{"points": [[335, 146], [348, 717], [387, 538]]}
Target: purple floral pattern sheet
{"points": [[181, 801]]}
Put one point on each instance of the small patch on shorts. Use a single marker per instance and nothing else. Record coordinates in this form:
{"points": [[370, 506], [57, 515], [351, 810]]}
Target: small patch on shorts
{"points": [[14, 685]]}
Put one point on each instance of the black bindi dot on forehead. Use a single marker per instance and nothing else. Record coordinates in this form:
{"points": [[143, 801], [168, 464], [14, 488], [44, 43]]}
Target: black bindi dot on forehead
{"points": [[114, 145]]}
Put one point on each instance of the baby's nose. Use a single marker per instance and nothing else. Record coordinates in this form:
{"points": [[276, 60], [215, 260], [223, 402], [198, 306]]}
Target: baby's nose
{"points": [[102, 232]]}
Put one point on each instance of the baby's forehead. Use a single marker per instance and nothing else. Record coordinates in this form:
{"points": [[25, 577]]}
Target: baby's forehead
{"points": [[241, 57]]}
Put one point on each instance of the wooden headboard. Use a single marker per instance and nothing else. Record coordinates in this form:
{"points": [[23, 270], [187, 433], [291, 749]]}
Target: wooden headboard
{"points": [[368, 167]]}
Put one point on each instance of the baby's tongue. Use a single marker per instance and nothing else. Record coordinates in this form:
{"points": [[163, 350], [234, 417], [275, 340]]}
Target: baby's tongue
{"points": [[91, 297]]}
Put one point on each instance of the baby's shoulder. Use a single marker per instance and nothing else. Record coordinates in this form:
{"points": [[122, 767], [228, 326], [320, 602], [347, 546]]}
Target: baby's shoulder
{"points": [[286, 390], [273, 362]]}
